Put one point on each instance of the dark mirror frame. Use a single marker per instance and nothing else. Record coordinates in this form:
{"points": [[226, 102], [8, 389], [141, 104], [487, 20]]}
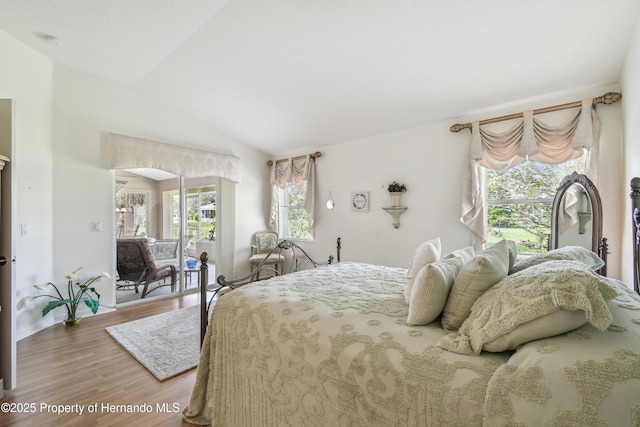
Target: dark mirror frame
{"points": [[598, 243]]}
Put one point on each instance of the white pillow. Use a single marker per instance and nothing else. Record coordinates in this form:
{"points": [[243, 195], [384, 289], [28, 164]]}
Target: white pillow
{"points": [[426, 253], [555, 323], [513, 253], [481, 273], [524, 306], [431, 288], [464, 254]]}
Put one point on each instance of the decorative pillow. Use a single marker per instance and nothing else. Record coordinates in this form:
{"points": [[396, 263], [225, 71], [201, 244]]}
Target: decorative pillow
{"points": [[481, 273], [431, 288], [570, 253], [511, 306], [464, 254], [426, 253], [513, 253], [552, 324]]}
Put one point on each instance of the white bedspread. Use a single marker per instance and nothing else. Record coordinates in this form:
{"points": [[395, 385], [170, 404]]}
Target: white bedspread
{"points": [[330, 347]]}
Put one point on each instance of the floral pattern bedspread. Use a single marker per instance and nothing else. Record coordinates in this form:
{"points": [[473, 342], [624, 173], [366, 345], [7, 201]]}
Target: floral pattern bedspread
{"points": [[330, 346]]}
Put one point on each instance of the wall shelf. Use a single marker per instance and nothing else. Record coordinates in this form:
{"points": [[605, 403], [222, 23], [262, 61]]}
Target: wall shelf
{"points": [[395, 212]]}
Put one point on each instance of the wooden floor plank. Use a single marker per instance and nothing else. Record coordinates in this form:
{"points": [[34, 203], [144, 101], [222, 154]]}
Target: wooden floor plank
{"points": [[83, 365]]}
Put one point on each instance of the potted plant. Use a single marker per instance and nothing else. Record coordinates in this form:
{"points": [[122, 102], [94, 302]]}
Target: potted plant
{"points": [[76, 293], [395, 191]]}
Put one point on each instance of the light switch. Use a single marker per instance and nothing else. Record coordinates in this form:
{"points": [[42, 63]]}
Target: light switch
{"points": [[96, 226], [24, 229]]}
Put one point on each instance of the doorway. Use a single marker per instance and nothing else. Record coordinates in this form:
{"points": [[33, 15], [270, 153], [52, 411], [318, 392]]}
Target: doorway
{"points": [[173, 220]]}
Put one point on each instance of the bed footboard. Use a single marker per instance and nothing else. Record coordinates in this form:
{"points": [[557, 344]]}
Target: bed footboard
{"points": [[295, 258]]}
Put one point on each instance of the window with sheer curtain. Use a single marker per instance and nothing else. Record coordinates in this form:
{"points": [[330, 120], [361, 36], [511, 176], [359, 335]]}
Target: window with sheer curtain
{"points": [[531, 139], [292, 198], [293, 218]]}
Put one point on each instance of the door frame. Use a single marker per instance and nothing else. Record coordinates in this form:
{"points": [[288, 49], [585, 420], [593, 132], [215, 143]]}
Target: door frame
{"points": [[8, 341]]}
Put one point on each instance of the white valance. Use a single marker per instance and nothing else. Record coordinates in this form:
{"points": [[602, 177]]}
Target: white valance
{"points": [[126, 152], [532, 139]]}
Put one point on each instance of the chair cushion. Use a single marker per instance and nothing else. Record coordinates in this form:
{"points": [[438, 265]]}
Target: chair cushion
{"points": [[274, 257], [266, 241], [134, 257], [130, 259], [149, 254]]}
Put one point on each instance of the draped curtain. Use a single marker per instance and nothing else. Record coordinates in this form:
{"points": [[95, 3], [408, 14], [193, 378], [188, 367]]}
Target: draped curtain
{"points": [[530, 139], [298, 172]]}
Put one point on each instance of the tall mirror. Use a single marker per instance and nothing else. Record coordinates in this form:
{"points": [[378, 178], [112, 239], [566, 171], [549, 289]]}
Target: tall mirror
{"points": [[576, 217]]}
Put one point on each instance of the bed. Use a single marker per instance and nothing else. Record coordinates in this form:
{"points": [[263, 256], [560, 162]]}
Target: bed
{"points": [[468, 338]]}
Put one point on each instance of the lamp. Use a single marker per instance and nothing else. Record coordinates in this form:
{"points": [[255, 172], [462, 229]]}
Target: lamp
{"points": [[330, 203]]}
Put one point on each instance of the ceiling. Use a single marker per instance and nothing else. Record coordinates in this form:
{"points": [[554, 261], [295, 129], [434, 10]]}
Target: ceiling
{"points": [[281, 75]]}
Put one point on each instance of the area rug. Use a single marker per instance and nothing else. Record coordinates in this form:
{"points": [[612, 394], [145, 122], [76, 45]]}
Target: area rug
{"points": [[167, 344]]}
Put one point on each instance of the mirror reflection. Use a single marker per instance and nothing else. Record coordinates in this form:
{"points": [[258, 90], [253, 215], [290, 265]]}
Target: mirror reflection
{"points": [[576, 216]]}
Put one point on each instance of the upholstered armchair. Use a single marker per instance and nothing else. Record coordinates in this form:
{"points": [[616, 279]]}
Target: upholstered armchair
{"points": [[264, 242], [137, 267]]}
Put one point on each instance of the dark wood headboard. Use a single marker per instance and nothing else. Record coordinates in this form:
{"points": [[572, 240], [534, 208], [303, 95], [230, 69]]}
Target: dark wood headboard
{"points": [[635, 215]]}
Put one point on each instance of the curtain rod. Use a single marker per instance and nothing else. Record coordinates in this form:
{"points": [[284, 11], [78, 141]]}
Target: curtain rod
{"points": [[313, 156], [607, 98]]}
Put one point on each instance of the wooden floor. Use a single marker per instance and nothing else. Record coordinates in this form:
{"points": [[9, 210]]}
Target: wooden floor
{"points": [[85, 366]]}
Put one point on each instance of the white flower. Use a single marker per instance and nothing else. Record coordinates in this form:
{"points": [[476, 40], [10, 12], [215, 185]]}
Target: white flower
{"points": [[73, 276], [105, 274], [24, 302], [42, 287]]}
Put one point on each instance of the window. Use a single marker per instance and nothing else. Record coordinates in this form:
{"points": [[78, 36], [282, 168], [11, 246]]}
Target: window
{"points": [[519, 202], [201, 213], [294, 219]]}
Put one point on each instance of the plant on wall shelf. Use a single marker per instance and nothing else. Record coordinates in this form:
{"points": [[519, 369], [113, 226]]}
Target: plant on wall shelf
{"points": [[76, 293], [396, 187]]}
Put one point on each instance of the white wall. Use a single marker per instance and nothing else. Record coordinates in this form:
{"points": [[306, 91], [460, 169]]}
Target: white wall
{"points": [[430, 160], [433, 195], [62, 187], [631, 156], [87, 107], [26, 78]]}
